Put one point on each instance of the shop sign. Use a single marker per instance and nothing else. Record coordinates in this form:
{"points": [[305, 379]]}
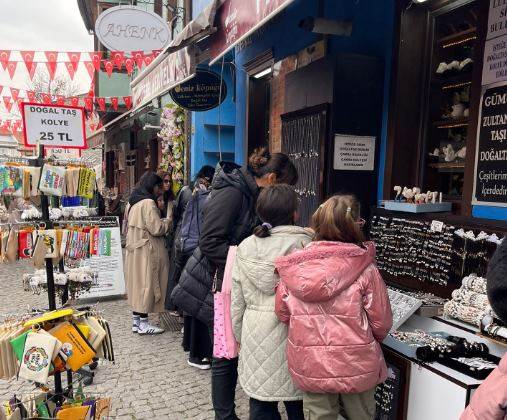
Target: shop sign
{"points": [[494, 68], [490, 186], [497, 21], [54, 126], [60, 153], [200, 93], [237, 19], [354, 153], [129, 28], [174, 69]]}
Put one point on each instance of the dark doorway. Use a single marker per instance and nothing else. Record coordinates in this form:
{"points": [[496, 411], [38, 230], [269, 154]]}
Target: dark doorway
{"points": [[259, 93]]}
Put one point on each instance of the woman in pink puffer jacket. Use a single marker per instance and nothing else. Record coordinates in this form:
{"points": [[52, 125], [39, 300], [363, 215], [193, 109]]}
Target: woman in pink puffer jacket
{"points": [[336, 304]]}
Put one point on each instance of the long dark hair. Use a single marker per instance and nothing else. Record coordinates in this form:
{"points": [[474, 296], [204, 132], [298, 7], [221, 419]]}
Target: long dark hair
{"points": [[276, 206], [261, 163], [145, 188]]}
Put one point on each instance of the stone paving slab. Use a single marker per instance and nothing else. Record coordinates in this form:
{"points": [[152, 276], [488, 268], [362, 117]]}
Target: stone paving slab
{"points": [[150, 379]]}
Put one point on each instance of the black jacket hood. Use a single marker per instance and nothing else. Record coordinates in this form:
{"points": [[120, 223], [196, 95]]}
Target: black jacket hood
{"points": [[229, 174]]}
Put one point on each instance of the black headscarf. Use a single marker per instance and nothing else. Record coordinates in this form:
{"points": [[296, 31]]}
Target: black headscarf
{"points": [[145, 188]]}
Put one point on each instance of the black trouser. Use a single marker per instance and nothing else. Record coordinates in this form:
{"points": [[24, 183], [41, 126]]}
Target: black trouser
{"points": [[196, 339], [224, 377], [140, 314], [268, 410]]}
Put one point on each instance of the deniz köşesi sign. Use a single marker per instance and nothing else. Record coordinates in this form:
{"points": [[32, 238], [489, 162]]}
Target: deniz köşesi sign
{"points": [[491, 158], [54, 126], [129, 28], [200, 93]]}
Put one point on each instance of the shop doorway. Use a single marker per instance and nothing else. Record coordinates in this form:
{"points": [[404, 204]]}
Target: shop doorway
{"points": [[259, 107], [303, 139]]}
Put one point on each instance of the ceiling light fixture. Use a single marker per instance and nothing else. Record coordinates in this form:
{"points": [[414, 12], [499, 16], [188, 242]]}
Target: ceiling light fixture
{"points": [[262, 73]]}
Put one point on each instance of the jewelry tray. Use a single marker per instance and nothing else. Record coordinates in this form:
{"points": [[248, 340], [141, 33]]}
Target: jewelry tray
{"points": [[417, 208], [465, 369]]}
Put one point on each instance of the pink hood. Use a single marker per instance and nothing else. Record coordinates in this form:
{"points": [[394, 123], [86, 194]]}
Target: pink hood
{"points": [[322, 270], [336, 304]]}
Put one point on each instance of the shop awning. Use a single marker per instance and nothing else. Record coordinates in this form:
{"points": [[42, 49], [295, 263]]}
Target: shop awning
{"points": [[97, 139], [238, 19], [176, 63]]}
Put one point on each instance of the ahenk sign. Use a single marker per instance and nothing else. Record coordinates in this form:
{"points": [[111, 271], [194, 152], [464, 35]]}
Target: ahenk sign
{"points": [[128, 28]]}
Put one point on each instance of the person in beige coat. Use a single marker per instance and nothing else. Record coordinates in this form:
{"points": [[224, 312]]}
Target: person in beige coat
{"points": [[146, 258], [263, 370]]}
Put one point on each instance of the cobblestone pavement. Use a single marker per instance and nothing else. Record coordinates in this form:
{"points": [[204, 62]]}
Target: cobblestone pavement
{"points": [[150, 379]]}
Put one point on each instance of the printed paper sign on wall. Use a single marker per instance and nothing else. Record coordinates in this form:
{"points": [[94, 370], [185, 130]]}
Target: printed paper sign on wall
{"points": [[54, 126], [354, 153]]}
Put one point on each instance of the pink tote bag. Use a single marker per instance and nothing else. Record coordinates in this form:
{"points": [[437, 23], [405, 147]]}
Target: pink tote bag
{"points": [[224, 343]]}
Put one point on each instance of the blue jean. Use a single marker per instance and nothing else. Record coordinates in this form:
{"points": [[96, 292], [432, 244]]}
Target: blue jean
{"points": [[224, 377]]}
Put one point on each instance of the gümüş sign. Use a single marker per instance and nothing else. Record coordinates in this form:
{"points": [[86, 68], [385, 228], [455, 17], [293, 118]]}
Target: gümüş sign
{"points": [[200, 93], [128, 28]]}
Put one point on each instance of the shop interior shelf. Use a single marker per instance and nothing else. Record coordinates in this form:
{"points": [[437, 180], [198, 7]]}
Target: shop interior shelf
{"points": [[457, 38], [451, 123], [448, 166], [452, 82]]}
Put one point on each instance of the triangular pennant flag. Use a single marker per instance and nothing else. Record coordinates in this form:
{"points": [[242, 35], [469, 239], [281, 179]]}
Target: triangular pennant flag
{"points": [[114, 103], [96, 56], [148, 59], [46, 99], [88, 103], [60, 100], [7, 103], [74, 101], [51, 56], [139, 57], [19, 102], [7, 124], [70, 69], [100, 125], [101, 102], [129, 65], [92, 126], [11, 67], [118, 57], [31, 95], [109, 66], [4, 58], [91, 69], [51, 66], [128, 101], [16, 125], [28, 59], [32, 70], [74, 58], [14, 93]]}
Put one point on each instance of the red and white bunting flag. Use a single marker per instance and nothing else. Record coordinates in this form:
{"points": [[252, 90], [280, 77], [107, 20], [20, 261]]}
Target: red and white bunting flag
{"points": [[70, 69], [4, 58], [74, 58], [114, 103], [28, 59], [88, 104], [109, 66], [91, 69], [46, 99], [7, 124], [118, 57], [92, 126], [148, 59], [74, 101], [101, 102], [51, 56], [139, 57], [1, 88], [19, 102], [129, 65], [14, 93], [60, 100], [7, 103], [16, 125], [128, 101], [31, 95], [32, 70], [100, 125], [11, 68], [96, 56], [51, 66]]}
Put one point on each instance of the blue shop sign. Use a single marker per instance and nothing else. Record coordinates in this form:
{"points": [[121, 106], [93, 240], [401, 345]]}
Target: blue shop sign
{"points": [[200, 93]]}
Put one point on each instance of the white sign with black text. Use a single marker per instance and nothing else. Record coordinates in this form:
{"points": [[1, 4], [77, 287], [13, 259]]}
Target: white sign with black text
{"points": [[54, 126], [494, 67], [497, 21], [354, 153]]}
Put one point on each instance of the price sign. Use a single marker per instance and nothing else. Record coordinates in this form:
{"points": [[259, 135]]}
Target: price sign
{"points": [[54, 126]]}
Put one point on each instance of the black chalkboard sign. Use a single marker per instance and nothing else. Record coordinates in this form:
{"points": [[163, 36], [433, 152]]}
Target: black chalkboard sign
{"points": [[201, 92], [491, 159]]}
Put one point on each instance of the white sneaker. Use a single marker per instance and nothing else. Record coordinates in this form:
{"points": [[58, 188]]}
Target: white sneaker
{"points": [[149, 329], [135, 328]]}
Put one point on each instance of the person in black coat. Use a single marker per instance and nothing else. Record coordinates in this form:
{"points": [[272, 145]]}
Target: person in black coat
{"points": [[229, 217]]}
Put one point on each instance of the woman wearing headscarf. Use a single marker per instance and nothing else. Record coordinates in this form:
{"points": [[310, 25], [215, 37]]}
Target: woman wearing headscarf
{"points": [[146, 258]]}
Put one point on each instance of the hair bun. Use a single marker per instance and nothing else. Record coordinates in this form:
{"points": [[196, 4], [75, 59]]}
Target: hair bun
{"points": [[259, 158]]}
